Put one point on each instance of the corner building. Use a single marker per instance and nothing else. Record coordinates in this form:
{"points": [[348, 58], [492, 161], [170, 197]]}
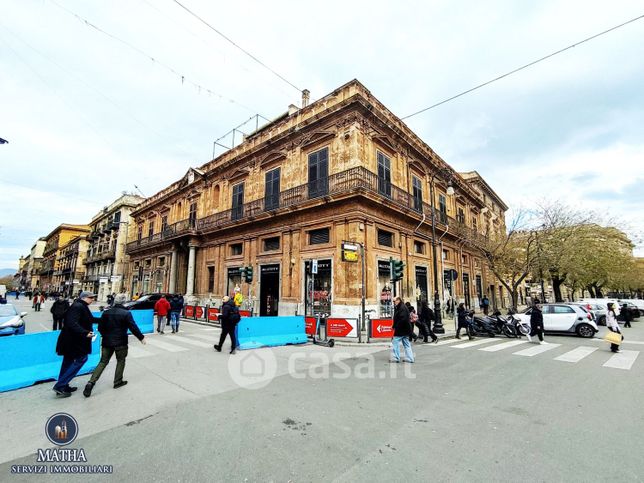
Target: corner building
{"points": [[343, 168]]}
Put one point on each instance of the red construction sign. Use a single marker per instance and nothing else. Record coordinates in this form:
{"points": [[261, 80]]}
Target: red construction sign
{"points": [[213, 312], [190, 311], [199, 311], [336, 327], [382, 328], [310, 323], [244, 313]]}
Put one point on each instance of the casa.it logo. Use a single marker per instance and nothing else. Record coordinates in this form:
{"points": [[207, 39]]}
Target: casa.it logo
{"points": [[61, 429]]}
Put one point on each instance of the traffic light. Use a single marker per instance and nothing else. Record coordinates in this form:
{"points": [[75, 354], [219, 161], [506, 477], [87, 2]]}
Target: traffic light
{"points": [[397, 268], [242, 272], [248, 275]]}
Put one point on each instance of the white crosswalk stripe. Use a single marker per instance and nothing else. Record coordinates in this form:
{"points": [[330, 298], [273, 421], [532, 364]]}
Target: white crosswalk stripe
{"points": [[136, 352], [165, 346], [444, 342], [577, 354], [503, 345], [533, 351], [474, 343], [622, 360], [186, 340], [209, 338]]}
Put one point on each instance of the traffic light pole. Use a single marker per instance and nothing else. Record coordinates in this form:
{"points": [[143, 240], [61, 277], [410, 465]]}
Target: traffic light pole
{"points": [[438, 322]]}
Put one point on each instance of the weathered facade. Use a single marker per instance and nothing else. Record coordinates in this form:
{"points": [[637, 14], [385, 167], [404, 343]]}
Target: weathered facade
{"points": [[341, 169], [106, 257], [70, 266], [54, 242]]}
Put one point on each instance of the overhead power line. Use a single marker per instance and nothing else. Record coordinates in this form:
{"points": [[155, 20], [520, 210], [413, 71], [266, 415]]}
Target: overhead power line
{"points": [[236, 45], [152, 58], [523, 67]]}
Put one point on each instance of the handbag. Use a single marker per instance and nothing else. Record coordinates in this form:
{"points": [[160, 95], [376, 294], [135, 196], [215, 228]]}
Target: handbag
{"points": [[613, 337]]}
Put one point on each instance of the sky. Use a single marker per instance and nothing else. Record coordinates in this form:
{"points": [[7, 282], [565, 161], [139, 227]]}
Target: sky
{"points": [[90, 114]]}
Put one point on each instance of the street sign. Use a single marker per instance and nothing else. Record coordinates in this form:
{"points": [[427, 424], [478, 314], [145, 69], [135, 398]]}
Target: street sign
{"points": [[314, 267], [382, 328], [349, 252], [336, 327], [310, 325]]}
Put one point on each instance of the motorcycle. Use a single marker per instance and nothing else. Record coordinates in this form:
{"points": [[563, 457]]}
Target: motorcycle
{"points": [[480, 327], [501, 325], [521, 328]]}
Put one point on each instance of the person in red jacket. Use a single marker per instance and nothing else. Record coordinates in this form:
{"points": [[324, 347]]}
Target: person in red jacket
{"points": [[161, 308]]}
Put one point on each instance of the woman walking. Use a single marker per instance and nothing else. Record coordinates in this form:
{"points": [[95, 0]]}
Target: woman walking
{"points": [[426, 317], [463, 323], [612, 325]]}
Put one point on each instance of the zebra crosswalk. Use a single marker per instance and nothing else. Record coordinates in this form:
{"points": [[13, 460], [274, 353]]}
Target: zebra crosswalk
{"points": [[203, 338], [623, 360]]}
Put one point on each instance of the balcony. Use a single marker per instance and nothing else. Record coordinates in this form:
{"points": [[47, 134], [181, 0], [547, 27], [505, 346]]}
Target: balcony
{"points": [[96, 277], [104, 255], [351, 182]]}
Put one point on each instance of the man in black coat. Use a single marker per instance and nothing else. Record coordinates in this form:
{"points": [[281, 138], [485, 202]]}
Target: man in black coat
{"points": [[58, 310], [229, 318], [402, 331], [536, 323], [74, 342], [113, 326]]}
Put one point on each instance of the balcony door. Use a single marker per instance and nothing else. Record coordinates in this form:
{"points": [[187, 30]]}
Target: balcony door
{"points": [[384, 175], [272, 190], [238, 201], [319, 173]]}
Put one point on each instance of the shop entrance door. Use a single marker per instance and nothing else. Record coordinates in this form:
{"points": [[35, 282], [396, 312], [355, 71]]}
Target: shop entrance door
{"points": [[269, 290], [317, 294]]}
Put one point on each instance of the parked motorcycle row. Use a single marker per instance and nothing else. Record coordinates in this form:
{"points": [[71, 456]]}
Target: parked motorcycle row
{"points": [[497, 324]]}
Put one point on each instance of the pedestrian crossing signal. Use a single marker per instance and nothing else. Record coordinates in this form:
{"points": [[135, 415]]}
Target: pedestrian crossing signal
{"points": [[248, 275], [397, 269]]}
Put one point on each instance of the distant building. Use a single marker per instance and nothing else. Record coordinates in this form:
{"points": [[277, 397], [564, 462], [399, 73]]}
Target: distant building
{"points": [[342, 169], [49, 272], [107, 261], [70, 267]]}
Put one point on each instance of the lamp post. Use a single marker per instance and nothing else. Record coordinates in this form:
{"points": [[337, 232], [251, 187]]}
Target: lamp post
{"points": [[438, 322]]}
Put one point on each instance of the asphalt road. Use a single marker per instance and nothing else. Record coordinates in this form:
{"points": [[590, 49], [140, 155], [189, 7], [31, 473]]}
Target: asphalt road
{"points": [[460, 413]]}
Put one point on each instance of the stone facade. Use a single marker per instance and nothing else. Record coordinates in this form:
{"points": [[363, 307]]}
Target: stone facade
{"points": [[106, 258], [341, 169], [54, 242], [70, 266]]}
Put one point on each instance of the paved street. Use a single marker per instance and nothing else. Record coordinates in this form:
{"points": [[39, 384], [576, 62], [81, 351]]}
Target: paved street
{"points": [[37, 321], [487, 410]]}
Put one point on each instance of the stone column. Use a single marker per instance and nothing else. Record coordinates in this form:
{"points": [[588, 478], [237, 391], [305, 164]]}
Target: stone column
{"points": [[172, 285], [190, 282]]}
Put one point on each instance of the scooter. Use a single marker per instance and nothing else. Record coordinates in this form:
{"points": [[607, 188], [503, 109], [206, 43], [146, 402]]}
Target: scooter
{"points": [[480, 327], [316, 337], [501, 325]]}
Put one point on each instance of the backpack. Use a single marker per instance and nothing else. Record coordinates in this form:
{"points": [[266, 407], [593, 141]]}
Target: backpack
{"points": [[234, 315]]}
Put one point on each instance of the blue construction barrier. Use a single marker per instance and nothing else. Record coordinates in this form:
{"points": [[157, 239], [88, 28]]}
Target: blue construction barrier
{"points": [[143, 318], [30, 358], [254, 332]]}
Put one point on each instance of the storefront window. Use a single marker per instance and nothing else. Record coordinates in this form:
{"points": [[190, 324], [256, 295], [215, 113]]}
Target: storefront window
{"points": [[421, 284], [385, 289], [234, 281], [318, 288]]}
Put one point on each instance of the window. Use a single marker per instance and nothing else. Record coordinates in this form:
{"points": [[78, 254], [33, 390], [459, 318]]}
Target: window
{"points": [[271, 244], [192, 217], [164, 223], [464, 259], [417, 189], [151, 228], [317, 237], [460, 215], [272, 190], [385, 238], [117, 217], [445, 254], [236, 249], [384, 175], [442, 209], [211, 279], [319, 173], [162, 261], [139, 233], [419, 247], [148, 263], [561, 309], [238, 201], [475, 223]]}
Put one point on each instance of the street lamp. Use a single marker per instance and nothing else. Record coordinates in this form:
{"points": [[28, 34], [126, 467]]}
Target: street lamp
{"points": [[445, 173]]}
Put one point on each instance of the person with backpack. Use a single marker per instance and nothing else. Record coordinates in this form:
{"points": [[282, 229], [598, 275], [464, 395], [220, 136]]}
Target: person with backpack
{"points": [[413, 320], [176, 306], [229, 319]]}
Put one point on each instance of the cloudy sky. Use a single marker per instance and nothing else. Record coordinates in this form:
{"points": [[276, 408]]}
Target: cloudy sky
{"points": [[88, 115]]}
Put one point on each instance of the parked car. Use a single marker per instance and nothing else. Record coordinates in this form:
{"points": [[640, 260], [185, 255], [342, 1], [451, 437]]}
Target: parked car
{"points": [[565, 318], [598, 311], [11, 322], [636, 305], [635, 312], [146, 301]]}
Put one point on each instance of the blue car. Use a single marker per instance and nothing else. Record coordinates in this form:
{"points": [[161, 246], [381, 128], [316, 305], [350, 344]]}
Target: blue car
{"points": [[11, 322]]}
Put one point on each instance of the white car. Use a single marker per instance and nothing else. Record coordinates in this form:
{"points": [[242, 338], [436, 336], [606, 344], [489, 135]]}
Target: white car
{"points": [[565, 318]]}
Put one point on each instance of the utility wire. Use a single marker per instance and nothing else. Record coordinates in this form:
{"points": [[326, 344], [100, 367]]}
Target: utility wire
{"points": [[523, 67], [236, 45], [152, 58]]}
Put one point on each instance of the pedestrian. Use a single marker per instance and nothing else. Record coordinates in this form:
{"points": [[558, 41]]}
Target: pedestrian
{"points": [[402, 330], [58, 310], [42, 300], [17, 294], [426, 316], [113, 326], [74, 342], [136, 296], [626, 315], [612, 325], [161, 309], [229, 319], [3, 300], [485, 304], [413, 320], [238, 298], [536, 322], [176, 306], [463, 323], [110, 299]]}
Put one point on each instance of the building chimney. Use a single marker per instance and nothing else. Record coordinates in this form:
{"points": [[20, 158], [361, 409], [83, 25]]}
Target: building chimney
{"points": [[305, 98]]}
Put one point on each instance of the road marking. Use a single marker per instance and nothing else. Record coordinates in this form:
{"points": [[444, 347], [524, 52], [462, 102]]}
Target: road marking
{"points": [[46, 328], [475, 343], [504, 345], [137, 352], [208, 338], [165, 346], [196, 343], [622, 360], [447, 341], [625, 341], [533, 351], [577, 354]]}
